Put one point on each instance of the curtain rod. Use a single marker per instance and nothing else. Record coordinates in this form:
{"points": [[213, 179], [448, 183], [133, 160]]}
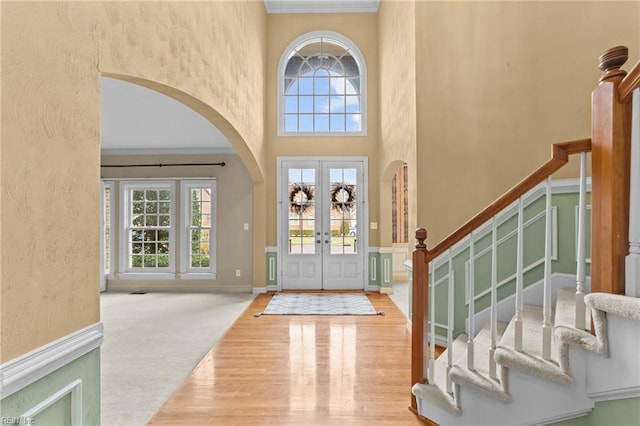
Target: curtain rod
{"points": [[221, 164]]}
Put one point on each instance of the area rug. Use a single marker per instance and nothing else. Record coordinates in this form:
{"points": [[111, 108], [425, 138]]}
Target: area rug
{"points": [[319, 304]]}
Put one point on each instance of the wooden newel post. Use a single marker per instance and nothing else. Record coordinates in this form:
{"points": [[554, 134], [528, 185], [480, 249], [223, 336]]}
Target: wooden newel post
{"points": [[610, 154], [419, 308]]}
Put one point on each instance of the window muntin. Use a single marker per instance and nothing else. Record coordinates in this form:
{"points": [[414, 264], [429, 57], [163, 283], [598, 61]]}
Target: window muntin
{"points": [[107, 226], [147, 232], [199, 230], [321, 87]]}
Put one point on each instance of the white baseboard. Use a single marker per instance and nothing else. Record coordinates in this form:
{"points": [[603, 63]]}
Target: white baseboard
{"points": [[386, 290], [624, 393], [262, 290], [32, 366]]}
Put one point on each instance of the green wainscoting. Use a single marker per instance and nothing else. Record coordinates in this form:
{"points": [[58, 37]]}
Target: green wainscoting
{"points": [[72, 390], [381, 269], [619, 412], [564, 255], [271, 267]]}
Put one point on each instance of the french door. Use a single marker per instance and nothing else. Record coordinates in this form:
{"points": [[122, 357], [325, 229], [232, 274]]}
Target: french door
{"points": [[322, 224]]}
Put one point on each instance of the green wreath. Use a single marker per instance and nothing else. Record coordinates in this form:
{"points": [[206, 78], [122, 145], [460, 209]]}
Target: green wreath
{"points": [[300, 198], [343, 197]]}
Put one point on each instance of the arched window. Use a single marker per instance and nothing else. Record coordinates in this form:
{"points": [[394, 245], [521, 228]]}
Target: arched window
{"points": [[322, 87]]}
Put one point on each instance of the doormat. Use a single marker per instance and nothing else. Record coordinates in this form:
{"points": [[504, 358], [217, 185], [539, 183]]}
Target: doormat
{"points": [[319, 304]]}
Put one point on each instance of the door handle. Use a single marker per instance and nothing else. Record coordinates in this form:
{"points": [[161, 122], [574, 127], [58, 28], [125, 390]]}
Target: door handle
{"points": [[326, 241], [318, 241]]}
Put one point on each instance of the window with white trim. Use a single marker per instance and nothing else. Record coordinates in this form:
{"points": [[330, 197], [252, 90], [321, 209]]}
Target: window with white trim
{"points": [[147, 238], [322, 87], [164, 232], [198, 235]]}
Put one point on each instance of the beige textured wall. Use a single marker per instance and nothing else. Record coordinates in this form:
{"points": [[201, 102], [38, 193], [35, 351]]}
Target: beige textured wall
{"points": [[210, 55], [361, 29], [398, 110], [50, 157], [498, 82], [234, 197]]}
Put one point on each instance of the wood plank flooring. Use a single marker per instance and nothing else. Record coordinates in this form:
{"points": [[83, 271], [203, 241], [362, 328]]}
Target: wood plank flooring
{"points": [[301, 370]]}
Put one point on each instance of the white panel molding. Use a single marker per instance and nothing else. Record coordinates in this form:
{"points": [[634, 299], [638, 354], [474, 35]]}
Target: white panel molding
{"points": [[624, 393], [32, 366], [560, 186], [75, 389]]}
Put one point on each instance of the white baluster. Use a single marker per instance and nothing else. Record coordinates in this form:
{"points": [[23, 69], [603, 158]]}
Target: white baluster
{"points": [[472, 293], [519, 278], [432, 329], [632, 285], [450, 322], [427, 318], [546, 302], [494, 303], [581, 254]]}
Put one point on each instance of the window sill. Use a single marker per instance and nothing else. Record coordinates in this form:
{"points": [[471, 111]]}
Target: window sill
{"points": [[147, 276], [198, 276]]}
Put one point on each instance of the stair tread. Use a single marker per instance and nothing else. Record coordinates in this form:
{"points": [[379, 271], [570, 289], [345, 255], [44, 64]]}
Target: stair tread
{"points": [[436, 391], [531, 332], [565, 309], [530, 358], [479, 378]]}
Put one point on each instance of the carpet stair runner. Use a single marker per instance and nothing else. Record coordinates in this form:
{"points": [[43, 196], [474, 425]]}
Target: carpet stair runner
{"points": [[529, 360]]}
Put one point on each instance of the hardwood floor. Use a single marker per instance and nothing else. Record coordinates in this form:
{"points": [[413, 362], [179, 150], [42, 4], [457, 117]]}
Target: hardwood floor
{"points": [[301, 370]]}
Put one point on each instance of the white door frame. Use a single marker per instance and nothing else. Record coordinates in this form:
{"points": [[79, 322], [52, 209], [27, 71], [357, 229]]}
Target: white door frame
{"points": [[364, 216]]}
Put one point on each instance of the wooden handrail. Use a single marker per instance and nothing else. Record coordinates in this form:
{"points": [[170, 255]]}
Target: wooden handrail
{"points": [[629, 83], [560, 156]]}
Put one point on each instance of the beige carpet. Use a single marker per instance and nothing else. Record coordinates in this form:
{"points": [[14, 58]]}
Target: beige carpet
{"points": [[152, 342]]}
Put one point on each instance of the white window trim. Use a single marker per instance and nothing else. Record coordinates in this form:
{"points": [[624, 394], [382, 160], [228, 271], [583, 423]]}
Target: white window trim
{"points": [[108, 273], [284, 60], [186, 271], [155, 273]]}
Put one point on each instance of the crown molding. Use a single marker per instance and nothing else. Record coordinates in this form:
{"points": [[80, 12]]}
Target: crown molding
{"points": [[169, 151], [321, 6]]}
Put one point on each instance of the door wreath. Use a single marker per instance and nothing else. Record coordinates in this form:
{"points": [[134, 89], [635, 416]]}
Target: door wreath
{"points": [[300, 198], [343, 197]]}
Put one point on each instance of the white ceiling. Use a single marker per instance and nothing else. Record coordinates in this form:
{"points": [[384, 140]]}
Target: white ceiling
{"points": [[137, 120]]}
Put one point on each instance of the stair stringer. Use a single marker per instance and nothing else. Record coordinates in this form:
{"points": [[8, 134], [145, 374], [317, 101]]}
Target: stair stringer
{"points": [[534, 401], [612, 366], [606, 369]]}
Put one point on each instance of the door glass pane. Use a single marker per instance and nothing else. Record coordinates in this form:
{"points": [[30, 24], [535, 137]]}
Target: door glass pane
{"points": [[343, 192], [302, 201]]}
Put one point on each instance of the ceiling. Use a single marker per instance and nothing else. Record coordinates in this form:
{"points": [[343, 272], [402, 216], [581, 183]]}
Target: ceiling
{"points": [[137, 120]]}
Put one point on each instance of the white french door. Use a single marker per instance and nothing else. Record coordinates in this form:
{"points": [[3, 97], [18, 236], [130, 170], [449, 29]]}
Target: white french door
{"points": [[321, 228]]}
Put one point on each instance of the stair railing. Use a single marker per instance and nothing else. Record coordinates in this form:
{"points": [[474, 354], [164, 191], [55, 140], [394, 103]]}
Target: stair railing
{"points": [[422, 257], [611, 148]]}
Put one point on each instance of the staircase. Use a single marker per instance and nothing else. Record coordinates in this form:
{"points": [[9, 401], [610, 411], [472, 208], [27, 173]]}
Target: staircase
{"points": [[552, 357], [529, 389]]}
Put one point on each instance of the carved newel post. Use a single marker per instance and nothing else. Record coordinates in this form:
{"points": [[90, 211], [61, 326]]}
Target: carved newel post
{"points": [[610, 135], [419, 306]]}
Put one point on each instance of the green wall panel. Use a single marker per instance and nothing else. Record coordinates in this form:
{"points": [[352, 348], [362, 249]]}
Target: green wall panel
{"points": [[533, 251], [619, 412], [86, 369]]}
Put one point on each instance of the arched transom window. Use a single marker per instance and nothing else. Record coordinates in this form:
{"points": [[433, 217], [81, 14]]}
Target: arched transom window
{"points": [[322, 87]]}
